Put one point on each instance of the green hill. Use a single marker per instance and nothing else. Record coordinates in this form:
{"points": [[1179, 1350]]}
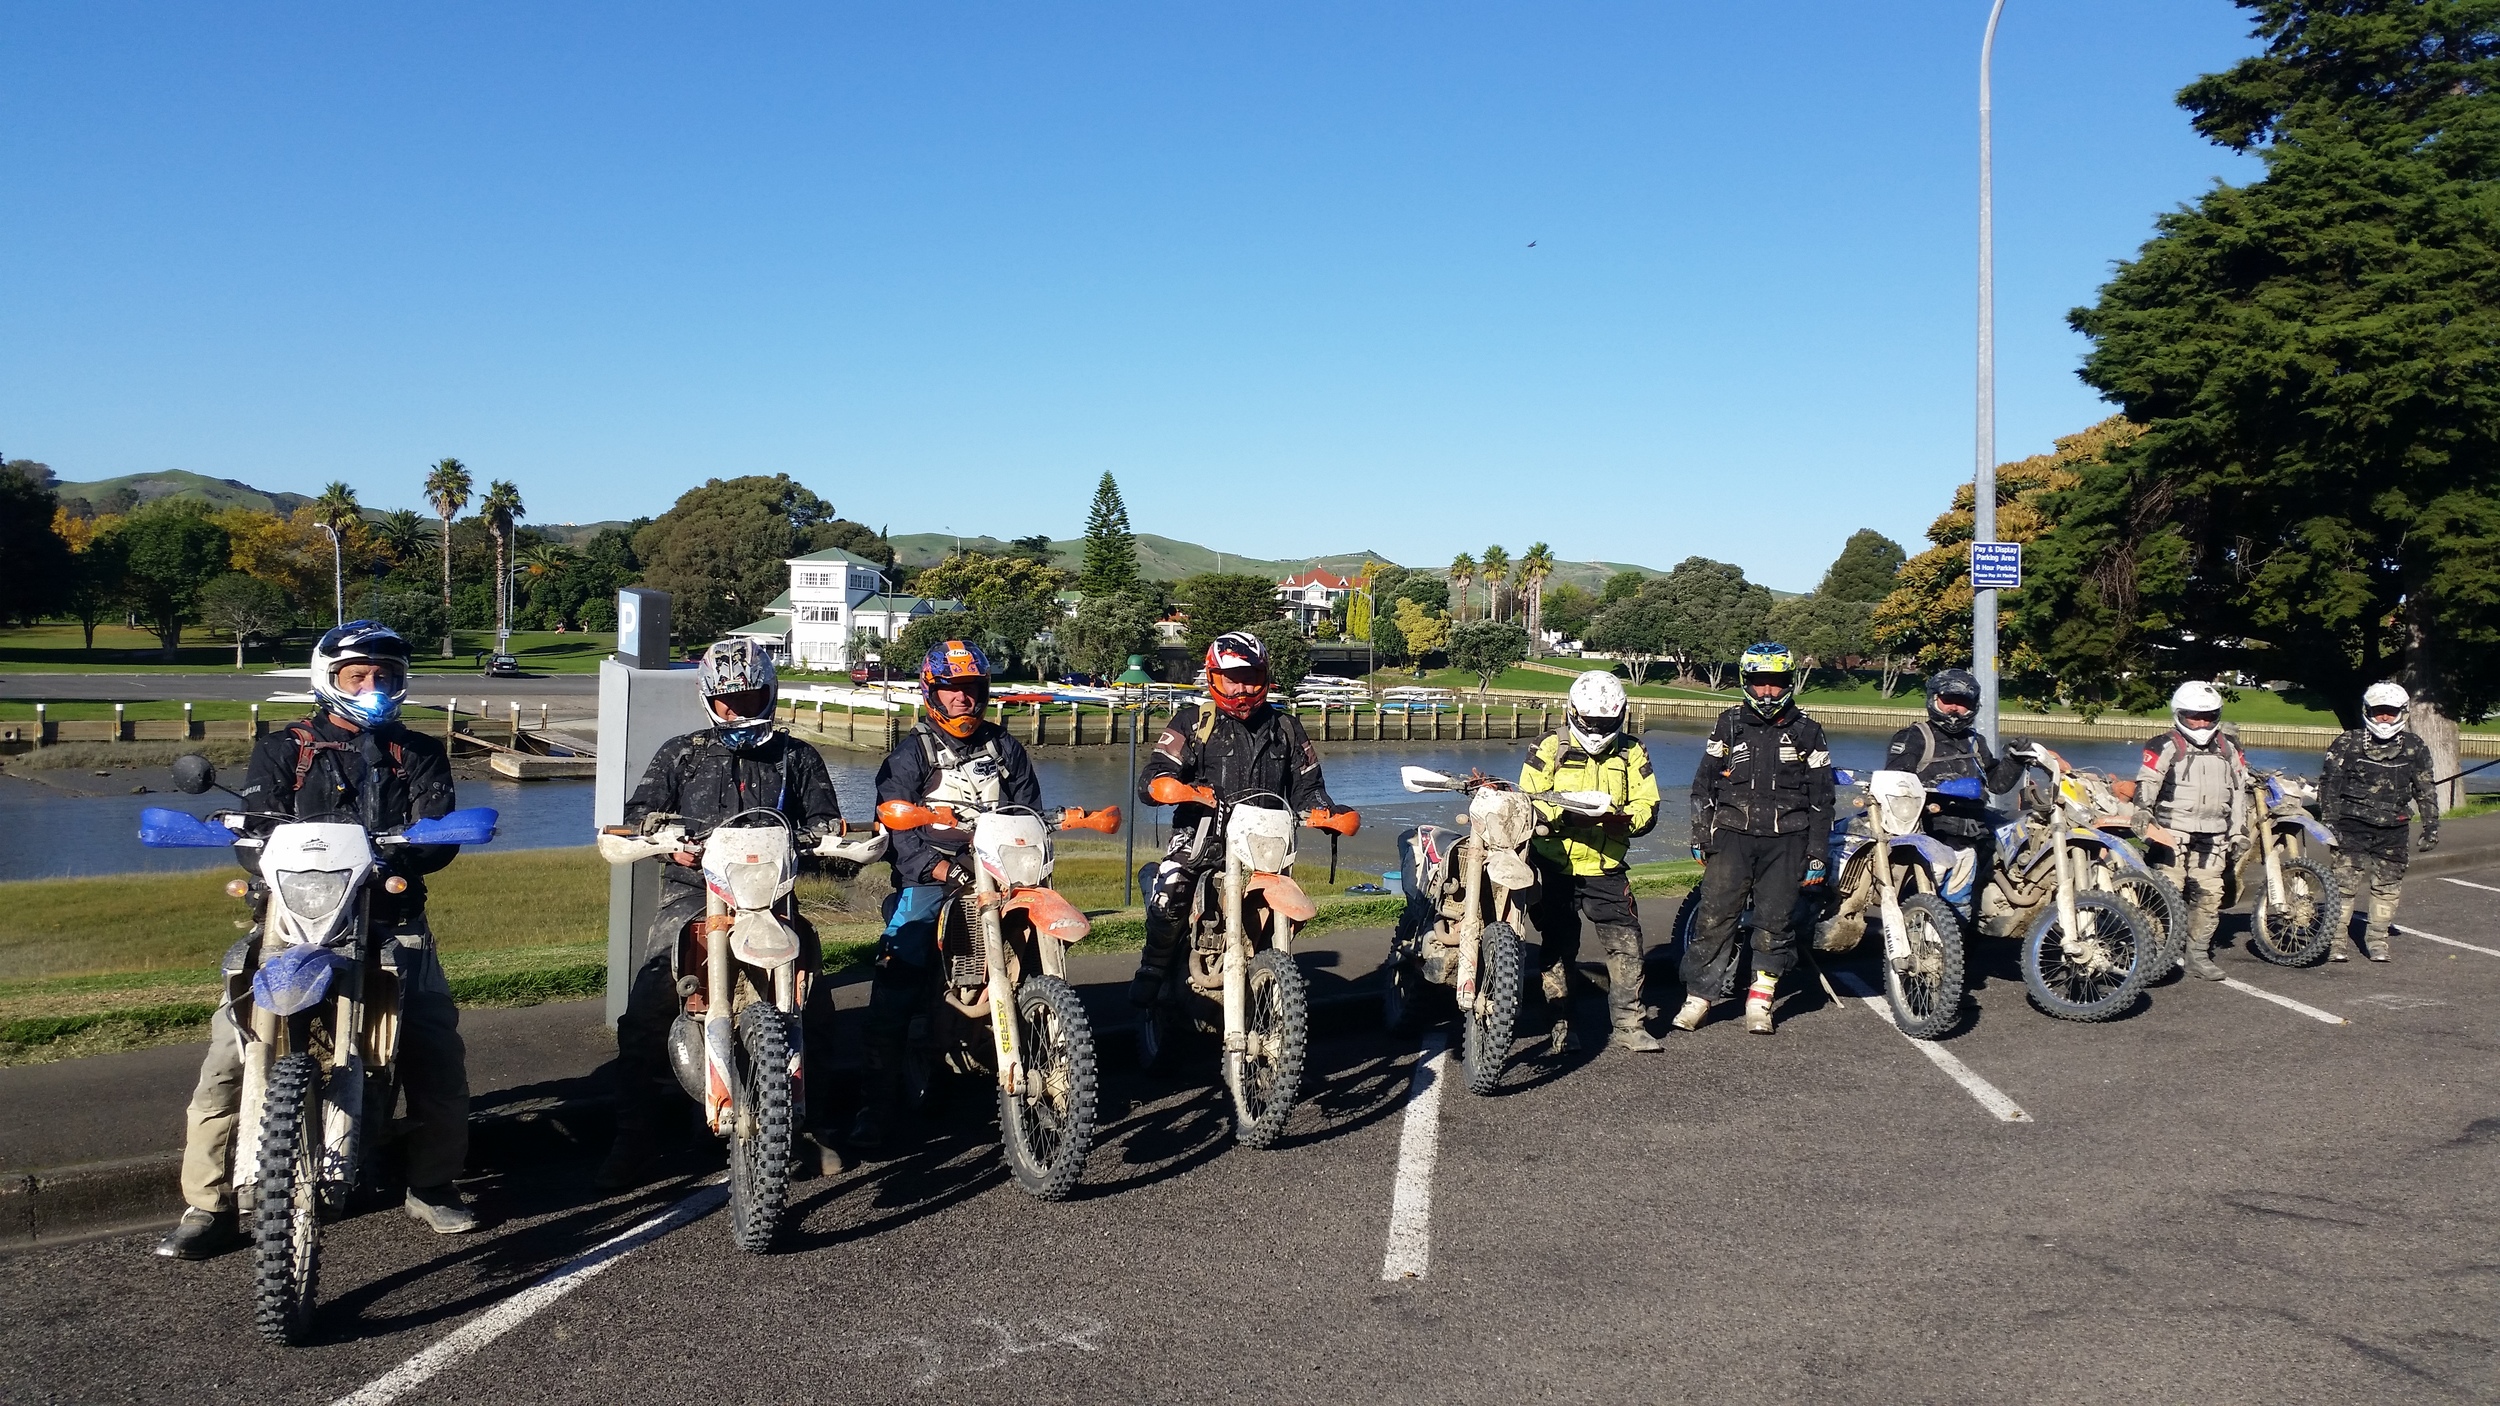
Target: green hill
{"points": [[119, 494], [1160, 558]]}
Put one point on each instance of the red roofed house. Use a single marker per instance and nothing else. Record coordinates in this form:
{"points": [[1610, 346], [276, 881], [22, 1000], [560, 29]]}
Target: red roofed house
{"points": [[1310, 597]]}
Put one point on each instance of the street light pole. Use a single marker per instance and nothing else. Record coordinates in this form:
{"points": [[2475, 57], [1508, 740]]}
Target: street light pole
{"points": [[338, 576], [1984, 482]]}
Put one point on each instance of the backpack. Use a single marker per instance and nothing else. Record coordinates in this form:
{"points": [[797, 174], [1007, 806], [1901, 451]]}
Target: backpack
{"points": [[308, 750]]}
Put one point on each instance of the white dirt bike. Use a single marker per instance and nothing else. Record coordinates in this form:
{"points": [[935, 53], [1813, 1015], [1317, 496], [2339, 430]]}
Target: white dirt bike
{"points": [[1238, 953], [743, 977], [1892, 878], [1465, 896], [319, 1017], [1002, 947], [2290, 866]]}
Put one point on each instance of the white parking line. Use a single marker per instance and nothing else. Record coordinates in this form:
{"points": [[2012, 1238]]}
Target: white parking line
{"points": [[2285, 1002], [2468, 884], [1989, 1095], [2435, 937], [514, 1311], [1419, 1144]]}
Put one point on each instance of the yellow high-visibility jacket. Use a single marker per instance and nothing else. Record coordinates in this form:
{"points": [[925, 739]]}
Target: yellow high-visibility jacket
{"points": [[1583, 845]]}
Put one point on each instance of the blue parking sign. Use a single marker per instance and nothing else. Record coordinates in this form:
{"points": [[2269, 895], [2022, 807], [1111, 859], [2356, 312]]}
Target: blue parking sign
{"points": [[1996, 566]]}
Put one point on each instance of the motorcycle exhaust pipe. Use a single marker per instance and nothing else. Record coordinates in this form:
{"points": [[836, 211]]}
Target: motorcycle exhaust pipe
{"points": [[685, 1054]]}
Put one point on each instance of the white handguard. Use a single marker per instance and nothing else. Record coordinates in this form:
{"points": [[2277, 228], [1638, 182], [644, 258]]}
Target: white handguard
{"points": [[863, 848], [1590, 803], [1421, 778], [631, 847]]}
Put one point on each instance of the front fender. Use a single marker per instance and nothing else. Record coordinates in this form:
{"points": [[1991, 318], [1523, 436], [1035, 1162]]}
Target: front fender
{"points": [[1051, 914], [1283, 897], [2124, 852], [2314, 829]]}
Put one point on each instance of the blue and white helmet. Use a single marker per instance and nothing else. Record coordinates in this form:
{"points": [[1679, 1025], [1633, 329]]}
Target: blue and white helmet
{"points": [[362, 642], [740, 675]]}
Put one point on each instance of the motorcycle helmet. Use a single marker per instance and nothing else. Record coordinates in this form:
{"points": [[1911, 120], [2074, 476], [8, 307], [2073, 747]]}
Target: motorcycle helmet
{"points": [[1959, 686], [362, 642], [957, 665], [1594, 711], [1768, 663], [2383, 709], [1241, 654], [2198, 700], [739, 675]]}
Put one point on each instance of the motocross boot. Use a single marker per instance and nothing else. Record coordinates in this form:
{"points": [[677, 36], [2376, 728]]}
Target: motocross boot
{"points": [[2376, 946], [1696, 1008], [1623, 991], [1154, 965], [200, 1235], [630, 1156], [2199, 958], [441, 1209], [1758, 1002]]}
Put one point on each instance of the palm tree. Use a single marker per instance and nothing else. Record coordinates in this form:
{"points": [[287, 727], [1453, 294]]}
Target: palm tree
{"points": [[502, 509], [1462, 575], [337, 507], [402, 534], [1534, 566], [447, 489], [545, 559], [1496, 575]]}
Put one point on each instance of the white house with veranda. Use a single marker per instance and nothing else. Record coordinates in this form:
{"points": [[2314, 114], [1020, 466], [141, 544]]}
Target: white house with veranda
{"points": [[834, 598]]}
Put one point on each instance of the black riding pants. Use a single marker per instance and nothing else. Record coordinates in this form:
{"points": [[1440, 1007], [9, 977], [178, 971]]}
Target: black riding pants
{"points": [[1763, 870], [1563, 899]]}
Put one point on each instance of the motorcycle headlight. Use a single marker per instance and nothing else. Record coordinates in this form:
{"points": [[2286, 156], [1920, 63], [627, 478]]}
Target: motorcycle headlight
{"points": [[313, 894]]}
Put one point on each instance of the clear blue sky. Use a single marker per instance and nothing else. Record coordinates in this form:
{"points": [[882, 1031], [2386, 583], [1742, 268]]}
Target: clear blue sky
{"points": [[946, 263]]}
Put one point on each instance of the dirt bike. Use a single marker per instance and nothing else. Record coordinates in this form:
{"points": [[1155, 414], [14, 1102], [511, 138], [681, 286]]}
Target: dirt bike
{"points": [[1239, 955], [2149, 891], [319, 1020], [2298, 900], [1910, 886], [2086, 948], [1002, 944], [1464, 898], [736, 1044]]}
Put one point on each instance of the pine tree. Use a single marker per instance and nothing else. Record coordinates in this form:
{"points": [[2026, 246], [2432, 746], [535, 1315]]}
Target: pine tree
{"points": [[1110, 548]]}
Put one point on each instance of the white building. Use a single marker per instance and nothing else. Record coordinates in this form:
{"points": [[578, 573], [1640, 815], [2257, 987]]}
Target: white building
{"points": [[834, 598]]}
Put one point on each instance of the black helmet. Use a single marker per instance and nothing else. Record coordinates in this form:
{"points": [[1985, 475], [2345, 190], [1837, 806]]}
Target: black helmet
{"points": [[1960, 686]]}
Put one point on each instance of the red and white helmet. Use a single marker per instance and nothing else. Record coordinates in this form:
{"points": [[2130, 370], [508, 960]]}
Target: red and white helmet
{"points": [[1237, 677]]}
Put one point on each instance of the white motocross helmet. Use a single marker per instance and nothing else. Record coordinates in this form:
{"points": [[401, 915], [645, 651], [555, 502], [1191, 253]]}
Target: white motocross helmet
{"points": [[1594, 711], [2381, 698], [2196, 697], [362, 642]]}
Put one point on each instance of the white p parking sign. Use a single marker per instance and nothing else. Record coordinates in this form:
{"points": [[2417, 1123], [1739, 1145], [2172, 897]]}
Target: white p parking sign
{"points": [[1996, 566]]}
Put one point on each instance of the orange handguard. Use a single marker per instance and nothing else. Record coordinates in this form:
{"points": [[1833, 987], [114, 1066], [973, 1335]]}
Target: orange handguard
{"points": [[1172, 791], [911, 815], [1106, 820], [1341, 822]]}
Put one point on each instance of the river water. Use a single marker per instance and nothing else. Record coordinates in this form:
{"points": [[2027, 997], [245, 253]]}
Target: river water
{"points": [[58, 834]]}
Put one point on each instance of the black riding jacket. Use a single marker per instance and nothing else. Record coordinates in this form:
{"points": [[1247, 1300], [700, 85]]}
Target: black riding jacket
{"points": [[1937, 756], [910, 772], [2383, 784], [381, 778], [1764, 777], [1270, 753], [705, 780]]}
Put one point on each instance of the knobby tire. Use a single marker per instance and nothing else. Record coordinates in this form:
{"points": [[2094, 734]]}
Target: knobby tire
{"points": [[1047, 1135], [286, 1227], [761, 1130]]}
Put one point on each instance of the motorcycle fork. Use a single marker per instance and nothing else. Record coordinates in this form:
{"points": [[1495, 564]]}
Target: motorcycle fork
{"points": [[1471, 921], [2066, 886], [720, 1080], [1888, 899], [1002, 1000], [1236, 975], [260, 1051], [2272, 840]]}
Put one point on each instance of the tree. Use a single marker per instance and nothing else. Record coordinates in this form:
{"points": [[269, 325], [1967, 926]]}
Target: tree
{"points": [[1420, 628], [2316, 495], [1712, 612], [1636, 629], [1535, 565], [1110, 548], [1106, 630], [1565, 609], [1219, 603], [1396, 583], [1865, 568], [1623, 585], [1462, 576], [1035, 549], [1485, 648], [1007, 599], [400, 533], [36, 576], [169, 549], [722, 551], [244, 606], [337, 508], [1388, 641], [921, 636], [1493, 568], [447, 491], [290, 553], [1288, 653], [97, 576], [1823, 630], [502, 510]]}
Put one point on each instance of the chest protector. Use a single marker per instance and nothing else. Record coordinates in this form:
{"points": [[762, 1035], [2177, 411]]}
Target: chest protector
{"points": [[973, 776]]}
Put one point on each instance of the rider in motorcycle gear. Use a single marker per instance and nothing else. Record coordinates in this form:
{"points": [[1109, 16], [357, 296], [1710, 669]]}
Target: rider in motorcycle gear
{"points": [[740, 686], [2191, 807], [350, 760], [953, 753], [1238, 747], [705, 777], [1581, 861], [2377, 779], [1948, 747], [1762, 817]]}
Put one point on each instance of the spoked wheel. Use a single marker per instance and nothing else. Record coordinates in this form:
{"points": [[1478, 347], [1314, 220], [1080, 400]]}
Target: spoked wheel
{"points": [[1740, 956], [1925, 988], [286, 1226], [1278, 1026], [760, 1130], [2298, 932], [2093, 973], [1487, 1026], [2164, 910], [1047, 1126]]}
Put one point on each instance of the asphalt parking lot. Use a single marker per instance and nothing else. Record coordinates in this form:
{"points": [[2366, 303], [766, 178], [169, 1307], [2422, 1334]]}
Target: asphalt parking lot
{"points": [[2217, 1199]]}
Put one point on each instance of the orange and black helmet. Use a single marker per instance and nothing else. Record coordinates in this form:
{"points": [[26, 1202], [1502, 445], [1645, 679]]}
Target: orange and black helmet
{"points": [[963, 666], [1237, 676]]}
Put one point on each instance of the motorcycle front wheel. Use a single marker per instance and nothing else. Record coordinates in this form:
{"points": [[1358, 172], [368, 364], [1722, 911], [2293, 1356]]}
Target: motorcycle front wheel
{"points": [[760, 1130], [1740, 954], [1927, 998], [286, 1225], [2092, 974], [2297, 933], [1046, 1127], [1486, 1028], [1277, 1022]]}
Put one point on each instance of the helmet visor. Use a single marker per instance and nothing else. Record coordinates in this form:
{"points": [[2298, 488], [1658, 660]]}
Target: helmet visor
{"points": [[745, 705]]}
